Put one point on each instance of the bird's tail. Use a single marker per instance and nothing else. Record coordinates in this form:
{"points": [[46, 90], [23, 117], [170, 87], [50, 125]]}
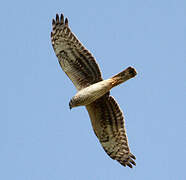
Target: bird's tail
{"points": [[123, 76]]}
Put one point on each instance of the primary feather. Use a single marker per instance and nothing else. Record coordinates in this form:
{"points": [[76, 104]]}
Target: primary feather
{"points": [[76, 61]]}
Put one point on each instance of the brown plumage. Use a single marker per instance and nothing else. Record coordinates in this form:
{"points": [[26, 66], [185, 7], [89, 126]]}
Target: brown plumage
{"points": [[93, 92]]}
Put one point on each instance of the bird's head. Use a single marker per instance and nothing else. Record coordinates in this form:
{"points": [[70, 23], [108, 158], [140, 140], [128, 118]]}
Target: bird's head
{"points": [[72, 103]]}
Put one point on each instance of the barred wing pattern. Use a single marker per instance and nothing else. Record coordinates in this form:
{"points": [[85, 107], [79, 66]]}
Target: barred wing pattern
{"points": [[108, 124], [76, 61], [81, 67]]}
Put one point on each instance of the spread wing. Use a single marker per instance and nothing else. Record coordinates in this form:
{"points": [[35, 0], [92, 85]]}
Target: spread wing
{"points": [[76, 61], [108, 124]]}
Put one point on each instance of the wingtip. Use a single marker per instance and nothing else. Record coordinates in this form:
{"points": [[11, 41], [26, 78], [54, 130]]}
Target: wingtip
{"points": [[62, 19], [131, 161], [132, 156], [57, 18], [53, 22], [129, 165], [66, 21]]}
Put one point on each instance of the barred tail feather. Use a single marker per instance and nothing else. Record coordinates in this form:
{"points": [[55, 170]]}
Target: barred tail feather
{"points": [[123, 76]]}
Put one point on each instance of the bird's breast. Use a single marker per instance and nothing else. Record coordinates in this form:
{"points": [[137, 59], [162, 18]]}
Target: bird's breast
{"points": [[92, 92]]}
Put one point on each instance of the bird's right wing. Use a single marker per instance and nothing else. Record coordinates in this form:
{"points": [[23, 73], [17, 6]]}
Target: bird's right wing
{"points": [[76, 61], [108, 124]]}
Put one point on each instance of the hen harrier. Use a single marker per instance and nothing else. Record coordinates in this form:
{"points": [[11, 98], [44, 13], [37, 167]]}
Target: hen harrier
{"points": [[93, 92]]}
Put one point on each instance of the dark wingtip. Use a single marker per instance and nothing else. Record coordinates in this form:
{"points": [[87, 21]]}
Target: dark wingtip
{"points": [[57, 18], [132, 156], [66, 21], [131, 161], [129, 165], [53, 22], [61, 19]]}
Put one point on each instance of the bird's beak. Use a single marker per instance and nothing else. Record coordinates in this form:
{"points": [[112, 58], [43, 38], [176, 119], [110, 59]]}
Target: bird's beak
{"points": [[70, 106]]}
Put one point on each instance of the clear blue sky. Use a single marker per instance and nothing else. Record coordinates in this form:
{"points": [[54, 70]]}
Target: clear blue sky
{"points": [[41, 139]]}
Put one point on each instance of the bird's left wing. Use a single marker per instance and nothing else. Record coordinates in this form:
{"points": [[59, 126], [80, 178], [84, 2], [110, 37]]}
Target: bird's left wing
{"points": [[108, 124], [76, 61]]}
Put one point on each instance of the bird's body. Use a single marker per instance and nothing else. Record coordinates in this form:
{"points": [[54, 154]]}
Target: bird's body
{"points": [[93, 92]]}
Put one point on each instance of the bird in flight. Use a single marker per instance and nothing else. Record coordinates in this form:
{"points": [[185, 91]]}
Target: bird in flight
{"points": [[93, 92]]}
